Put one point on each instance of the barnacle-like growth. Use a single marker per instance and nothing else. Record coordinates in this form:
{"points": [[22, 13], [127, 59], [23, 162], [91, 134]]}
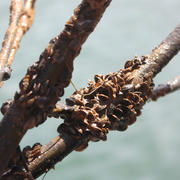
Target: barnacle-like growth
{"points": [[110, 102], [31, 153]]}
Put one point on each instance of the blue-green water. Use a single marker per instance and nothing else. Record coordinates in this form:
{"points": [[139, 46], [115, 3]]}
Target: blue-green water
{"points": [[149, 149]]}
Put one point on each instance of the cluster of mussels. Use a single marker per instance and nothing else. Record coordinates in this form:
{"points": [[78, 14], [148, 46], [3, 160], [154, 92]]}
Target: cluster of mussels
{"points": [[110, 102]]}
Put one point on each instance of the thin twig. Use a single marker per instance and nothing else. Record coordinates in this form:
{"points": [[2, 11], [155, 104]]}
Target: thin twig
{"points": [[21, 19], [45, 81], [165, 89]]}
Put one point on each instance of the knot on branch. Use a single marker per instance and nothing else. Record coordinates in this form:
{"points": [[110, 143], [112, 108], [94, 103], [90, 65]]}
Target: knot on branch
{"points": [[5, 73], [110, 102], [5, 106]]}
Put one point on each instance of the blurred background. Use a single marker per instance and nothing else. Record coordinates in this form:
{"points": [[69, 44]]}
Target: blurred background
{"points": [[149, 149]]}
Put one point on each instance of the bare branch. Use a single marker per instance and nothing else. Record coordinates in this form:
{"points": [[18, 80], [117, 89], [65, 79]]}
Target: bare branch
{"points": [[165, 89], [45, 81], [21, 19]]}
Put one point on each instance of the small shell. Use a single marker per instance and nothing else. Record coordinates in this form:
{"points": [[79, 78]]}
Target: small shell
{"points": [[103, 97], [82, 147], [128, 87], [30, 101], [126, 102], [128, 64], [98, 78]]}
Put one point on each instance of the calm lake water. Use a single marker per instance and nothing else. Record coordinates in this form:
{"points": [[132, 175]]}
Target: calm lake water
{"points": [[149, 149]]}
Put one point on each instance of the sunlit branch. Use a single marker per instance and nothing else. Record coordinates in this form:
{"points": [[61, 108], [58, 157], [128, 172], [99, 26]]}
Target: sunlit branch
{"points": [[166, 88], [21, 19]]}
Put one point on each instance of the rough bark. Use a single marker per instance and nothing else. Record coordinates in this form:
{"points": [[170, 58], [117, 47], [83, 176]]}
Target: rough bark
{"points": [[45, 81]]}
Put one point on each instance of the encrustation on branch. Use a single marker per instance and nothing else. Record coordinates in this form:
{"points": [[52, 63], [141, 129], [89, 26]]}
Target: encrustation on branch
{"points": [[45, 81]]}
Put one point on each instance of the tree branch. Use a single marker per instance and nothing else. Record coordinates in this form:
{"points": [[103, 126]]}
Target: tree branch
{"points": [[50, 154], [21, 19], [160, 56], [45, 81], [165, 89]]}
